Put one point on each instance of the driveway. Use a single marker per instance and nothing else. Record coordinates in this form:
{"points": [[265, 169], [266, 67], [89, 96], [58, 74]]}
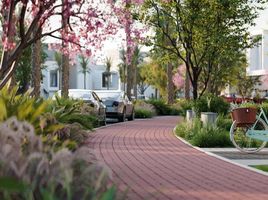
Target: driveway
{"points": [[148, 160]]}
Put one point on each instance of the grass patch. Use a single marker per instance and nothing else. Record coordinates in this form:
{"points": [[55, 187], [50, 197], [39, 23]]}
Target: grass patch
{"points": [[261, 167]]}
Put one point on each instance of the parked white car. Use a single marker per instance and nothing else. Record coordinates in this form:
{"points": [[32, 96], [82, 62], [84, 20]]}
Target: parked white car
{"points": [[117, 104]]}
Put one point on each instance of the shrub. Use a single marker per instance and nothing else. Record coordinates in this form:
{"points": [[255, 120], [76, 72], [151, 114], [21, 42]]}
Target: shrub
{"points": [[160, 106], [29, 170], [86, 121], [211, 137], [144, 110], [141, 113], [49, 118], [210, 103], [203, 136], [224, 122], [185, 105]]}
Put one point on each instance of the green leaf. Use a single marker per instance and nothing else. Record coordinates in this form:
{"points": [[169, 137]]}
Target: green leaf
{"points": [[12, 185], [109, 194]]}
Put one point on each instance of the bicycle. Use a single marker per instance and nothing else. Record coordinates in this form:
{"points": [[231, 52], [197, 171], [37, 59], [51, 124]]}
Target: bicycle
{"points": [[250, 134]]}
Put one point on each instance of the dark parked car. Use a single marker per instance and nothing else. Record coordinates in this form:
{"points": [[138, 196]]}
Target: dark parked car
{"points": [[92, 98], [117, 104]]}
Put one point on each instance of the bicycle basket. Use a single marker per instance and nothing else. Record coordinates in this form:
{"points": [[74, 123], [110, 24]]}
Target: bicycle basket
{"points": [[244, 116]]}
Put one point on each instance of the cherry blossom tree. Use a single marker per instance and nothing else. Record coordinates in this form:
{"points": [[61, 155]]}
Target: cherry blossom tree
{"points": [[124, 10], [26, 21]]}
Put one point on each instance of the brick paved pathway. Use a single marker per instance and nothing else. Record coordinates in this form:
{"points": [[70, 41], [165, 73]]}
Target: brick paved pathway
{"points": [[145, 157]]}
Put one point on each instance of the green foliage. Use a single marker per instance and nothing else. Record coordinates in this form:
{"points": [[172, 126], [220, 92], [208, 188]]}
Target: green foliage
{"points": [[206, 35], [264, 107], [143, 109], [154, 74], [141, 113], [23, 73], [160, 105], [211, 103], [60, 122], [261, 167], [208, 136], [211, 137], [86, 121], [184, 105], [224, 123]]}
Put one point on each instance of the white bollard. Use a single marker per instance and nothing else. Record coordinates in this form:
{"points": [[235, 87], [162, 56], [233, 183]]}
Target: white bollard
{"points": [[208, 118], [190, 115]]}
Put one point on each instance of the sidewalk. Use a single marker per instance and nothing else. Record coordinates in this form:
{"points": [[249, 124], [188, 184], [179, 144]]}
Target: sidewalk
{"points": [[259, 158], [152, 163]]}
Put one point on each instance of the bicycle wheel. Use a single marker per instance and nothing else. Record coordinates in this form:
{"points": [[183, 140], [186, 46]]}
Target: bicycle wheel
{"points": [[244, 143]]}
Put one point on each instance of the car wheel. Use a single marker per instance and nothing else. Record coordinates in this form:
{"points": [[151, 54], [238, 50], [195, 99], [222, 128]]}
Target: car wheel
{"points": [[132, 116], [123, 117]]}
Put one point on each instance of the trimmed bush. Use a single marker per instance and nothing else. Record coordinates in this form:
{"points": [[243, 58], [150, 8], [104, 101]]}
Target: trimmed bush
{"points": [[160, 106], [141, 113], [144, 110]]}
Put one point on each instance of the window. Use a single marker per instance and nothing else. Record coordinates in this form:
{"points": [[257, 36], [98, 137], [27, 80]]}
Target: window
{"points": [[54, 78]]}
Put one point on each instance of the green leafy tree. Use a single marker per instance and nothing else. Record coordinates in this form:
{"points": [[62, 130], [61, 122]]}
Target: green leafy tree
{"points": [[200, 28], [155, 75]]}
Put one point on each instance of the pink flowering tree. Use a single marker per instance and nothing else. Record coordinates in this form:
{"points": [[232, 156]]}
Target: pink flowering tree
{"points": [[26, 21], [179, 77], [124, 10]]}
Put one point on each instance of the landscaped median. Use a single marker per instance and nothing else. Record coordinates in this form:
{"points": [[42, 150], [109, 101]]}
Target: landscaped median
{"points": [[206, 135]]}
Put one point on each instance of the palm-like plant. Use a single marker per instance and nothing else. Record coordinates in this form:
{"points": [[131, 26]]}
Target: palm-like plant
{"points": [[85, 68], [108, 63], [123, 67]]}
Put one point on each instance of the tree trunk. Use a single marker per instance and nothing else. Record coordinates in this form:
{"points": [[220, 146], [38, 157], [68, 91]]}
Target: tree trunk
{"points": [[135, 82], [65, 59], [129, 81], [155, 93], [170, 85], [195, 89], [187, 86], [65, 76], [36, 67]]}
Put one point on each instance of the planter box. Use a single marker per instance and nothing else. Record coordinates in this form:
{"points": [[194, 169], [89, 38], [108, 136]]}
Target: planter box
{"points": [[190, 115], [208, 118], [244, 116]]}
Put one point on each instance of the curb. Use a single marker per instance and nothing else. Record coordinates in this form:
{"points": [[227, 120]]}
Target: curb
{"points": [[218, 157]]}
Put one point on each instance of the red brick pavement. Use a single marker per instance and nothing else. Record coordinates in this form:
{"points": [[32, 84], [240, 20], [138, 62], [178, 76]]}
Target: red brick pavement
{"points": [[152, 163]]}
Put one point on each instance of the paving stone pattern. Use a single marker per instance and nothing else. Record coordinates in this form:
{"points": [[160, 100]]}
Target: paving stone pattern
{"points": [[152, 163]]}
